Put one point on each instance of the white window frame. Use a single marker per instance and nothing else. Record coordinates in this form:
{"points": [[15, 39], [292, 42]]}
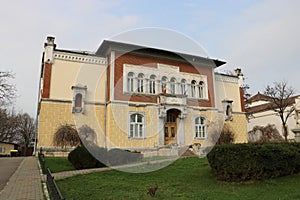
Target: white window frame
{"points": [[152, 84], [201, 88], [183, 86], [78, 89], [200, 130], [193, 89], [140, 83], [136, 126], [173, 85], [164, 81], [130, 82]]}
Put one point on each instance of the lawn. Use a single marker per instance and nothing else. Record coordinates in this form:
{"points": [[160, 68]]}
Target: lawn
{"points": [[187, 178], [58, 164]]}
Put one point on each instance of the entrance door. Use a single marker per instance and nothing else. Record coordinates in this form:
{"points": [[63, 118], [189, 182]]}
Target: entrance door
{"points": [[171, 127]]}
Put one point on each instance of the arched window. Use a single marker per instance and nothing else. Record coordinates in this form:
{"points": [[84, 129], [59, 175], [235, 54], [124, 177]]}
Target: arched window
{"points": [[130, 81], [164, 84], [193, 88], [152, 84], [136, 129], [140, 83], [78, 100], [200, 128], [201, 89], [172, 85], [183, 89]]}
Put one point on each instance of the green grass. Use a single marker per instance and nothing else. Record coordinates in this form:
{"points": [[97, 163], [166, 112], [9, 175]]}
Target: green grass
{"points": [[57, 164], [187, 178]]}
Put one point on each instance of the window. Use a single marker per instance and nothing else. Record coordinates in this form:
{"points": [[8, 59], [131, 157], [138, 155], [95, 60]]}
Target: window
{"points": [[200, 128], [140, 83], [130, 82], [193, 88], [183, 90], [152, 84], [164, 84], [136, 129], [78, 98], [2, 149], [201, 89], [172, 85], [227, 105]]}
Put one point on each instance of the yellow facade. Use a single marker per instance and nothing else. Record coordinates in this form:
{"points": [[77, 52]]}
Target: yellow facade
{"points": [[5, 148]]}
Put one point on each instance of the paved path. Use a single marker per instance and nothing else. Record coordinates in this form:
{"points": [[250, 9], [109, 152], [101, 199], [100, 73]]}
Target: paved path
{"points": [[8, 166], [25, 183]]}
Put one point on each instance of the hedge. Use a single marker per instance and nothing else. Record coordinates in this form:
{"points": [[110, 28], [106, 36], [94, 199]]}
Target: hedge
{"points": [[243, 162], [81, 158]]}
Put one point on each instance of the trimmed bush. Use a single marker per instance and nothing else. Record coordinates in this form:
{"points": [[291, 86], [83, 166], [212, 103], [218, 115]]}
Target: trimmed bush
{"points": [[243, 162], [81, 158]]}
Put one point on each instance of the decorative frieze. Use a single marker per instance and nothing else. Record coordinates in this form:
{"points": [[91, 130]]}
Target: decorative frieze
{"points": [[79, 58], [225, 78]]}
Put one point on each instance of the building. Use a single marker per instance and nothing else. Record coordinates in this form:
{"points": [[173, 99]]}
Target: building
{"points": [[260, 113], [137, 97], [7, 147]]}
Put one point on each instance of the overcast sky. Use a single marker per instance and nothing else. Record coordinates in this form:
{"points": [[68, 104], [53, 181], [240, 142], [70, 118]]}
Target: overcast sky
{"points": [[261, 37]]}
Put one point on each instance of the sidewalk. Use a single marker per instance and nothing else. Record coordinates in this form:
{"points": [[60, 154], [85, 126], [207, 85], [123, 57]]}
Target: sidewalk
{"points": [[25, 183]]}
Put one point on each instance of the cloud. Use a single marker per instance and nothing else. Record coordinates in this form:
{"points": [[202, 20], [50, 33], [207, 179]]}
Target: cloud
{"points": [[75, 24], [264, 41]]}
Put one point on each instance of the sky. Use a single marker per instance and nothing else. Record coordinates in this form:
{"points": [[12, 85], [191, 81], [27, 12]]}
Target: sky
{"points": [[260, 37]]}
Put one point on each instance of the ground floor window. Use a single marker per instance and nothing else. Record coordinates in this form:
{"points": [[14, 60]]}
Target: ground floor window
{"points": [[200, 127], [136, 127]]}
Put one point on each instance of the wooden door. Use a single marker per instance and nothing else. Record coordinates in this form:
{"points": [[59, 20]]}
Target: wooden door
{"points": [[170, 128]]}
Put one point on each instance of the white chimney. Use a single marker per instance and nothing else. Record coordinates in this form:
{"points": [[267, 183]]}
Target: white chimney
{"points": [[49, 48], [239, 74]]}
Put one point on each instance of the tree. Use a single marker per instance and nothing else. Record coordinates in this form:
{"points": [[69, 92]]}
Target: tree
{"points": [[66, 135], [8, 125], [281, 101], [24, 130], [7, 89]]}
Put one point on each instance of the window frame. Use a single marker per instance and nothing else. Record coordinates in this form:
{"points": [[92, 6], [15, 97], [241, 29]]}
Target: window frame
{"points": [[152, 84], [132, 129], [130, 82], [198, 133]]}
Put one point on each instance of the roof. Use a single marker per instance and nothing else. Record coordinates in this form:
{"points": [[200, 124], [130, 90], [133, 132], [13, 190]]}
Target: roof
{"points": [[108, 46], [266, 106]]}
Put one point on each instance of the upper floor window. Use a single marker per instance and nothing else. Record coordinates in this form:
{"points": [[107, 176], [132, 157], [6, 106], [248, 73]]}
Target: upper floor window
{"points": [[152, 84], [200, 127], [136, 126], [164, 84], [130, 78], [201, 89], [172, 85], [227, 105], [183, 88], [193, 88], [140, 83]]}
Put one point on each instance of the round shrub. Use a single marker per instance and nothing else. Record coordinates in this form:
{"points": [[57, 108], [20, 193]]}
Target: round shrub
{"points": [[242, 162]]}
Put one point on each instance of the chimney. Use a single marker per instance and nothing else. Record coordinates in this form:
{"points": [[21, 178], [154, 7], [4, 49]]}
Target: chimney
{"points": [[239, 74], [49, 47]]}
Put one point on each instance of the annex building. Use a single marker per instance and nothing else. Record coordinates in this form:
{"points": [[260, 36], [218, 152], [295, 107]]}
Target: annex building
{"points": [[137, 97]]}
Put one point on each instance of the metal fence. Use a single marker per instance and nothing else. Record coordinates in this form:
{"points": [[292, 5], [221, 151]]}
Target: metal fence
{"points": [[53, 189]]}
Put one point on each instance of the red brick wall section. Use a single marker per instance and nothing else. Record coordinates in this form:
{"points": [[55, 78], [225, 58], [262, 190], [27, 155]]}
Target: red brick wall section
{"points": [[152, 62], [47, 80], [242, 99]]}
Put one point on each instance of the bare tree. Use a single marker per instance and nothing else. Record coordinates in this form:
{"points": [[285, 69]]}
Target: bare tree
{"points": [[8, 125], [25, 129], [281, 101], [66, 135], [7, 89]]}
